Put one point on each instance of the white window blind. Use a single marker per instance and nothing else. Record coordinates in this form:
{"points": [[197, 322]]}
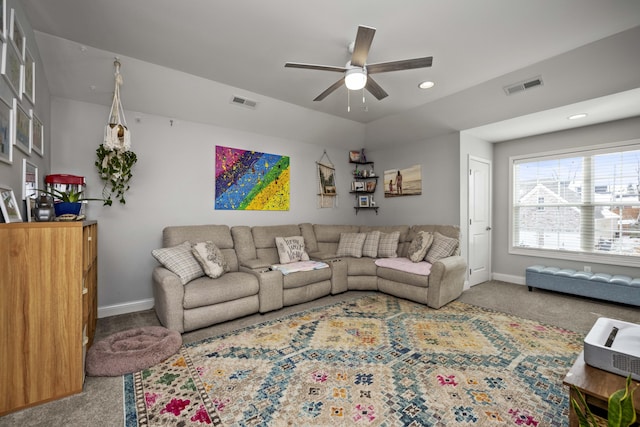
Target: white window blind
{"points": [[579, 202]]}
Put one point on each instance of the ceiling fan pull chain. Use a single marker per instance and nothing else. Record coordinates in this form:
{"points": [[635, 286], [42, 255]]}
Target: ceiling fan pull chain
{"points": [[348, 101]]}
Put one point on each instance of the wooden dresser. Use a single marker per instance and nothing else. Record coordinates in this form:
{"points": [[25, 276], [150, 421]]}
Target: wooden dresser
{"points": [[48, 309]]}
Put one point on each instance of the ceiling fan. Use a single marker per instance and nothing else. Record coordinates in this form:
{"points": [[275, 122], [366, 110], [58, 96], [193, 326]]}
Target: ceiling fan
{"points": [[357, 72]]}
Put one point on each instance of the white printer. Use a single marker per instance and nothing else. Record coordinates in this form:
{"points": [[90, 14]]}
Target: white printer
{"points": [[614, 346]]}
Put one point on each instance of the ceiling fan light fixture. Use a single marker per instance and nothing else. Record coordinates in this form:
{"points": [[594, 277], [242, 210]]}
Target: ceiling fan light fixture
{"points": [[355, 78], [426, 85]]}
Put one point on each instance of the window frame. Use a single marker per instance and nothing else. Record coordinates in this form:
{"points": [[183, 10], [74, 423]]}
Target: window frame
{"points": [[590, 257]]}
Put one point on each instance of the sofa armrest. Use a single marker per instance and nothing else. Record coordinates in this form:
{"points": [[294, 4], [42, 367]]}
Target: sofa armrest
{"points": [[255, 264], [446, 280], [168, 294], [271, 292]]}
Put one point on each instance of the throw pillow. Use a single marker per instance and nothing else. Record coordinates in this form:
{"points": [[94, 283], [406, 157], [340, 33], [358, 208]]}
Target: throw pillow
{"points": [[388, 245], [442, 247], [350, 244], [291, 249], [370, 247], [419, 246], [210, 258], [180, 260]]}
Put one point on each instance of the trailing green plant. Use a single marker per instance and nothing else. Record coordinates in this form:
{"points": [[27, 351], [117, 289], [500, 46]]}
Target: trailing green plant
{"points": [[115, 169], [620, 409], [69, 196]]}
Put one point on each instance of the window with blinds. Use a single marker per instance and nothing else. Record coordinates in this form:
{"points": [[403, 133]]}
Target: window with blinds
{"points": [[579, 204]]}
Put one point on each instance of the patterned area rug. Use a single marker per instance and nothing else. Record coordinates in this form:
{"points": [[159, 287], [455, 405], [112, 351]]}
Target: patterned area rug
{"points": [[372, 361]]}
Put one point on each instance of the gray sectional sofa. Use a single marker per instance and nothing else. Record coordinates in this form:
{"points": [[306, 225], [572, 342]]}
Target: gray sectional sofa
{"points": [[250, 284]]}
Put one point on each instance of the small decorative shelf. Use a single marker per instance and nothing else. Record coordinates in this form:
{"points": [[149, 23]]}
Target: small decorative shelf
{"points": [[363, 186]]}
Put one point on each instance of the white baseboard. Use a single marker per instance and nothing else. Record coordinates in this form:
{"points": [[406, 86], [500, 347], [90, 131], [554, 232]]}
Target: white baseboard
{"points": [[128, 307], [518, 280]]}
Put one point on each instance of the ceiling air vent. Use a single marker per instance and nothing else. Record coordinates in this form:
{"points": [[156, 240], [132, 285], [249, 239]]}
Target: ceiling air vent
{"points": [[522, 86], [244, 102]]}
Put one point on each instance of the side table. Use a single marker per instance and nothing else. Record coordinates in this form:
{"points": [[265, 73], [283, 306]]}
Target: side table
{"points": [[596, 385]]}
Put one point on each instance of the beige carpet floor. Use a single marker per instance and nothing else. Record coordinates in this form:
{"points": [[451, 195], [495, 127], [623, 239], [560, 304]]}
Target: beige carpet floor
{"points": [[101, 403]]}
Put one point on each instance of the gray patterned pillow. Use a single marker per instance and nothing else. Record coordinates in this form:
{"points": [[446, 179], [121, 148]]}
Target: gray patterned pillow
{"points": [[351, 244], [442, 247], [180, 260], [370, 247], [419, 246], [388, 246], [291, 249], [210, 258]]}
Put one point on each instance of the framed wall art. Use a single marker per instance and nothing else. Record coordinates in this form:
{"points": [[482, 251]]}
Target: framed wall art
{"points": [[37, 134], [403, 182], [17, 34], [29, 86], [251, 180], [363, 201], [3, 20], [6, 123], [29, 179], [22, 128], [12, 69], [9, 206]]}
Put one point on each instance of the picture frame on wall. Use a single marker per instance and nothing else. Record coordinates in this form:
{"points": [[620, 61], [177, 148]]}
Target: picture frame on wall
{"points": [[363, 201], [6, 126], [12, 69], [29, 179], [29, 86], [3, 20], [17, 34], [37, 134], [22, 127], [9, 206]]}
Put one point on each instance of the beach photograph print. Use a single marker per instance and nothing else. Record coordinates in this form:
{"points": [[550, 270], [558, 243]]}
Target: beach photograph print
{"points": [[250, 180], [403, 182]]}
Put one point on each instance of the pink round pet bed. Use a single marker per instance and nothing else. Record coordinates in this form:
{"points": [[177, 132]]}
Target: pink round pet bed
{"points": [[131, 351]]}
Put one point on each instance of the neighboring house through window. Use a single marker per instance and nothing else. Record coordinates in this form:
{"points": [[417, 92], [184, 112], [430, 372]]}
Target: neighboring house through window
{"points": [[578, 204]]}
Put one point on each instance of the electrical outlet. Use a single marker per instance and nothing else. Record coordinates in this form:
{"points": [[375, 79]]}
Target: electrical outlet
{"points": [[587, 268]]}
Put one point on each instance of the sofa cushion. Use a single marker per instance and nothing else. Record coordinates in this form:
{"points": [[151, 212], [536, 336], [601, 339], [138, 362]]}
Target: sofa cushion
{"points": [[388, 245], [204, 291], [442, 247], [180, 260], [361, 266], [291, 249], [421, 268], [210, 258], [304, 278], [419, 246], [370, 247], [351, 244]]}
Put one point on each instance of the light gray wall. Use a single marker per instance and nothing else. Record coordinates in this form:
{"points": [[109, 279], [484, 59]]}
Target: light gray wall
{"points": [[439, 202], [173, 184], [11, 174], [512, 267]]}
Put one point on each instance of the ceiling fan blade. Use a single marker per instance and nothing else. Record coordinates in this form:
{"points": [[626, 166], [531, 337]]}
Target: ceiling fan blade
{"points": [[375, 89], [330, 89], [364, 38], [407, 64], [315, 67]]}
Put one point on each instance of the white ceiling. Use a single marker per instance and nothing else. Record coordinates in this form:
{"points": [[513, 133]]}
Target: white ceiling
{"points": [[476, 45]]}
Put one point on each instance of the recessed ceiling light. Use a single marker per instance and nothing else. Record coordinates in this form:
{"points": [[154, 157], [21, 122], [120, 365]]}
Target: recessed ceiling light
{"points": [[577, 116], [426, 85]]}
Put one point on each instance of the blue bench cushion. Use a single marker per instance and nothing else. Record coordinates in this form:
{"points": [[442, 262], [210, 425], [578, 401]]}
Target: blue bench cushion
{"points": [[616, 288]]}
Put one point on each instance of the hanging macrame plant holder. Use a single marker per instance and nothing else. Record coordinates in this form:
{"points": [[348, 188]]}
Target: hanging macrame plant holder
{"points": [[115, 158], [116, 132]]}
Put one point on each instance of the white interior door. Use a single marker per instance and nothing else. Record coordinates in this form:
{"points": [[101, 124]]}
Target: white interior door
{"points": [[479, 208]]}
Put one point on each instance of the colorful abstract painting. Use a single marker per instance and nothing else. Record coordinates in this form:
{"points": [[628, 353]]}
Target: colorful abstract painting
{"points": [[250, 180]]}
